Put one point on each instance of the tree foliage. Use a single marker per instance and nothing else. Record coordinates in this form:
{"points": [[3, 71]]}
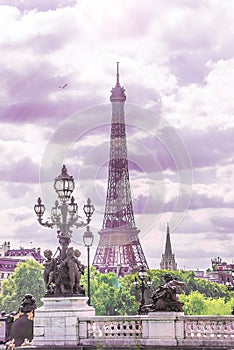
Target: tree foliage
{"points": [[197, 304], [113, 296], [109, 295], [209, 289], [118, 296], [27, 278]]}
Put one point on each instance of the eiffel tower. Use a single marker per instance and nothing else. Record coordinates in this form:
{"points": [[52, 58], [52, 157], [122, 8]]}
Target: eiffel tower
{"points": [[119, 249]]}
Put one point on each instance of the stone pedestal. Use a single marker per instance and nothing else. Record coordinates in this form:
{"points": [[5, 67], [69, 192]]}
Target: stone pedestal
{"points": [[55, 323], [162, 328]]}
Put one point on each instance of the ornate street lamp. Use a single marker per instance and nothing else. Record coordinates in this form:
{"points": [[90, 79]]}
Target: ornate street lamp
{"points": [[142, 286], [89, 210], [64, 216], [88, 241]]}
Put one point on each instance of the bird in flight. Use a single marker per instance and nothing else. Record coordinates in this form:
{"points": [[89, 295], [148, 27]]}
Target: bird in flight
{"points": [[63, 86]]}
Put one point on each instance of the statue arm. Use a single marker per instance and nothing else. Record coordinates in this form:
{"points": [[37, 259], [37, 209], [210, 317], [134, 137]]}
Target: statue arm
{"points": [[180, 283]]}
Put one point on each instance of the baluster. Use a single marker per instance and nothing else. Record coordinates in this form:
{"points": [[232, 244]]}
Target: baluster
{"points": [[214, 329], [221, 329], [201, 333], [229, 329], [124, 329], [90, 329], [112, 329], [217, 330], [108, 329], [188, 329], [119, 329], [115, 329], [138, 328], [196, 329], [126, 324], [208, 329], [93, 329]]}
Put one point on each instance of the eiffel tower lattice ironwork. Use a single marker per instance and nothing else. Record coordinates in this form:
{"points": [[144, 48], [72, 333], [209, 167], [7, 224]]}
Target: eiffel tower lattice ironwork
{"points": [[119, 249]]}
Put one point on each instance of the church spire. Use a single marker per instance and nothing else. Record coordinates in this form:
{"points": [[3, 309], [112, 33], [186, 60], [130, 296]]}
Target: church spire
{"points": [[168, 250], [168, 259]]}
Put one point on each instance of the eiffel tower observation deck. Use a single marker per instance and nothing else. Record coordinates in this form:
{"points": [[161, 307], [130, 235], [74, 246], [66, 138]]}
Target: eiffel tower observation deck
{"points": [[119, 249]]}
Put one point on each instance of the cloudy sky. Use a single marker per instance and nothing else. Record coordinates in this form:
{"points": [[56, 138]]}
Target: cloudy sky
{"points": [[177, 66]]}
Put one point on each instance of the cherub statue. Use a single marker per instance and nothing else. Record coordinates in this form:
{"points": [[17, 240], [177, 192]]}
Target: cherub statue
{"points": [[49, 271], [75, 269]]}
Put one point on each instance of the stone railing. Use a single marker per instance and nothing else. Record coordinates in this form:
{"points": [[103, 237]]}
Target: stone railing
{"points": [[71, 322], [158, 329], [209, 328], [110, 331], [115, 329]]}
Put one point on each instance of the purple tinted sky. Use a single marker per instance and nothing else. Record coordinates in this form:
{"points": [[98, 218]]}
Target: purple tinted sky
{"points": [[177, 66]]}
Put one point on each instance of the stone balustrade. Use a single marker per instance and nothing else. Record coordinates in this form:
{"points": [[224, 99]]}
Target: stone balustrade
{"points": [[158, 329], [126, 329], [206, 327], [71, 322]]}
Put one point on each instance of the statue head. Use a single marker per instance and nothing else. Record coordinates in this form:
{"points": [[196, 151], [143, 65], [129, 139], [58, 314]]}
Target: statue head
{"points": [[48, 253], [168, 277], [77, 253]]}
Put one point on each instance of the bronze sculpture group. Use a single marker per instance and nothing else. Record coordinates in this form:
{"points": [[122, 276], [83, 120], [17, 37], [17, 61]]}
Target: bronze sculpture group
{"points": [[165, 298], [62, 276]]}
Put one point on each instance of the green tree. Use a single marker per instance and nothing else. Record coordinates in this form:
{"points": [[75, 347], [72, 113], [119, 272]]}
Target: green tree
{"points": [[194, 304], [200, 296], [209, 289], [218, 306], [110, 295], [27, 278], [197, 304]]}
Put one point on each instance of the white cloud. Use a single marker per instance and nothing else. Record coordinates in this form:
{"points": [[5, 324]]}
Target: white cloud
{"points": [[176, 58], [202, 105]]}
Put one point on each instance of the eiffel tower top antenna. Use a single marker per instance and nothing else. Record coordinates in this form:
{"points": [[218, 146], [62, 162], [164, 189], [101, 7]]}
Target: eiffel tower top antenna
{"points": [[117, 74]]}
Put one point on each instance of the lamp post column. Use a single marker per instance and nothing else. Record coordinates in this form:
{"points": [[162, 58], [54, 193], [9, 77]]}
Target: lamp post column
{"points": [[64, 243], [88, 256], [142, 294], [88, 241]]}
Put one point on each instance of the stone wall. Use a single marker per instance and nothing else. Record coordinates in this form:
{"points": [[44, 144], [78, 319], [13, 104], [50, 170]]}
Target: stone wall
{"points": [[67, 322], [165, 329]]}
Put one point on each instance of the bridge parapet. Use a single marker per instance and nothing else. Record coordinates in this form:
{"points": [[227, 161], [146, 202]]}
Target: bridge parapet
{"points": [[207, 327], [158, 329]]}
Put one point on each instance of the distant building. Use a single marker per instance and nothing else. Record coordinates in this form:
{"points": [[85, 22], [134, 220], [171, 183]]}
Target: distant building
{"points": [[7, 267], [168, 259], [23, 254], [9, 259], [199, 273], [221, 272], [4, 248]]}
